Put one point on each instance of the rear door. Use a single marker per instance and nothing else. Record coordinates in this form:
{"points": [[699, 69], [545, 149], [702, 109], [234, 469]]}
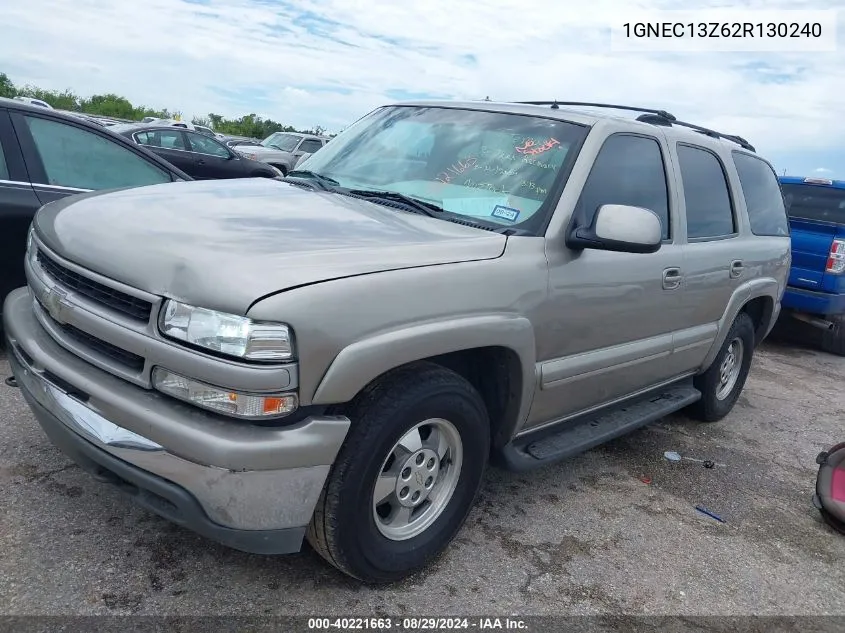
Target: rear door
{"points": [[817, 220]]}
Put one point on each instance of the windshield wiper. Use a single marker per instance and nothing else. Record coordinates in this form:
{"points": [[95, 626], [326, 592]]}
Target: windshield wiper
{"points": [[420, 206], [325, 182]]}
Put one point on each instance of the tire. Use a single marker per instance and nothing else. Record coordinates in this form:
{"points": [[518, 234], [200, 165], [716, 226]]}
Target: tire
{"points": [[344, 528], [281, 168], [715, 402], [833, 341]]}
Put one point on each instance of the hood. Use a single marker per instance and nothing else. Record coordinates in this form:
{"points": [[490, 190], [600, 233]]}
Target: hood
{"points": [[259, 150], [223, 244]]}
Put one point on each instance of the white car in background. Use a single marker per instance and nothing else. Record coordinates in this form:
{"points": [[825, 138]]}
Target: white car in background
{"points": [[35, 102], [284, 150]]}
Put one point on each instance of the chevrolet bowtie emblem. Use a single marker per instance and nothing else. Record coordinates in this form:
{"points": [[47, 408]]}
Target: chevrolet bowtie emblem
{"points": [[55, 302]]}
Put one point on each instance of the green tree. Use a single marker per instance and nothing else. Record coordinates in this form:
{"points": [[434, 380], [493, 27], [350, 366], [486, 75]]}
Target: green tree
{"points": [[7, 88], [64, 100]]}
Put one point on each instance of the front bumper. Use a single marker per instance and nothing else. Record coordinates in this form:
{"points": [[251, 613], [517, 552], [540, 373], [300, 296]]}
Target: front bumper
{"points": [[251, 488]]}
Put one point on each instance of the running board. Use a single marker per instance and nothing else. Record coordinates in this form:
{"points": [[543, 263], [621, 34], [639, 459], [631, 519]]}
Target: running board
{"points": [[579, 436]]}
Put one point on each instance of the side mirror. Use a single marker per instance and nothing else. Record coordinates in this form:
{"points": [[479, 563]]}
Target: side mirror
{"points": [[620, 228]]}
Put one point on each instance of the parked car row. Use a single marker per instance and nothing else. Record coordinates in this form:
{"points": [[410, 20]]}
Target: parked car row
{"points": [[197, 154]]}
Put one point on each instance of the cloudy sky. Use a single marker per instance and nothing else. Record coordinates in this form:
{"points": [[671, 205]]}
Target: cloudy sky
{"points": [[327, 62]]}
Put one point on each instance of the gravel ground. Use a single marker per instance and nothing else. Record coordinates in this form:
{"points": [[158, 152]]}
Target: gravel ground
{"points": [[612, 531]]}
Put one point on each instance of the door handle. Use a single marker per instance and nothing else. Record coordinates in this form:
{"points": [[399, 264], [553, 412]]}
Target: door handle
{"points": [[736, 269], [672, 278]]}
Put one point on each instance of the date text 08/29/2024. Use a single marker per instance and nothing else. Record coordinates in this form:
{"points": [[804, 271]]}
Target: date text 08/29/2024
{"points": [[408, 624]]}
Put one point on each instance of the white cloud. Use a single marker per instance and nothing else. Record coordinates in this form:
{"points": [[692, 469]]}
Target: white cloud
{"points": [[275, 58], [823, 170]]}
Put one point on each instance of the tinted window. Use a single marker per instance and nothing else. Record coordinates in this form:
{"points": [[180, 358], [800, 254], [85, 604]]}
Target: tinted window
{"points": [[815, 202], [206, 145], [709, 210], [165, 139], [762, 194], [73, 157], [4, 170], [628, 170], [310, 146]]}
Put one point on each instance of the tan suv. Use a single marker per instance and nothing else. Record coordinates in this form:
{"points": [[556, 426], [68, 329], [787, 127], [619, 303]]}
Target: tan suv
{"points": [[340, 353]]}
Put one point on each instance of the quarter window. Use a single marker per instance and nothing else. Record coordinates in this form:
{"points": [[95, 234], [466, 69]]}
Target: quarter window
{"points": [[74, 157], [706, 194], [628, 170], [763, 196]]}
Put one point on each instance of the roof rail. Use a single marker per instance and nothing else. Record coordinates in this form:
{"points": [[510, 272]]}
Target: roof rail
{"points": [[657, 120], [556, 104], [654, 117]]}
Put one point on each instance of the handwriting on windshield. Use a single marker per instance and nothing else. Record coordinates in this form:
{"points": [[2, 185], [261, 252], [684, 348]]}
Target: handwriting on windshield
{"points": [[531, 148], [456, 169], [489, 186]]}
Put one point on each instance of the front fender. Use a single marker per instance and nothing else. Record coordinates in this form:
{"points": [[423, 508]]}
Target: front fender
{"points": [[358, 364]]}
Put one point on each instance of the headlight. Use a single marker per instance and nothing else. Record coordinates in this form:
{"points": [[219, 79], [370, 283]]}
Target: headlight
{"points": [[228, 334], [242, 405], [249, 156]]}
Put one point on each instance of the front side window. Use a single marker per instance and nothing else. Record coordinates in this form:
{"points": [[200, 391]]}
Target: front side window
{"points": [[763, 196], [310, 145], [628, 170], [205, 145], [74, 157], [493, 166], [708, 201], [281, 141]]}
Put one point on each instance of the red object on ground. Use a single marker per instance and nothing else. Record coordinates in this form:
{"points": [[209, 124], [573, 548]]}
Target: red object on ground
{"points": [[837, 485], [647, 480]]}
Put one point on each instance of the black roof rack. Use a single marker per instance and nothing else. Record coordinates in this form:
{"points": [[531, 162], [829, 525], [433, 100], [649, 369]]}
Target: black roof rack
{"points": [[654, 117]]}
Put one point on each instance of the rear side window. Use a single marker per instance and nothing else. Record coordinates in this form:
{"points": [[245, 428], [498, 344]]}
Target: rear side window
{"points": [[74, 157], [163, 139], [708, 201], [628, 170], [310, 145], [763, 196], [814, 202]]}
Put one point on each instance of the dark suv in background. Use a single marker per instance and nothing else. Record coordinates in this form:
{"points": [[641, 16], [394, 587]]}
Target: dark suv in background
{"points": [[46, 155]]}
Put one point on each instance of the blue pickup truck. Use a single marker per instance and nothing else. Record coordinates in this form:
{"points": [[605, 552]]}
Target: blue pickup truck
{"points": [[815, 293]]}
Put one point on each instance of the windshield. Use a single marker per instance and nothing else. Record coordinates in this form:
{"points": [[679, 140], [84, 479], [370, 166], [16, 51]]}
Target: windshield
{"points": [[495, 167], [813, 202], [284, 142]]}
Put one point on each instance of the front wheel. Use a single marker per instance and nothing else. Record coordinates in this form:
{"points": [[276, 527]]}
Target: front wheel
{"points": [[406, 477], [722, 383]]}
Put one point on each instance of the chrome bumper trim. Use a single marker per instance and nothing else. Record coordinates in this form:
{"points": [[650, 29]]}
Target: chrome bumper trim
{"points": [[243, 500]]}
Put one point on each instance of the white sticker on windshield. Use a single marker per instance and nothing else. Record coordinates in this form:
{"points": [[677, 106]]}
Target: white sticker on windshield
{"points": [[506, 213]]}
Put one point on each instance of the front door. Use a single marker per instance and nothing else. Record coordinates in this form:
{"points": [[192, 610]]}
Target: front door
{"points": [[607, 330]]}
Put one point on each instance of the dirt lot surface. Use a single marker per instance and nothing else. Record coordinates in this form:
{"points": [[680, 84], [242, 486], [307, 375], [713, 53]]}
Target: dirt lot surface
{"points": [[612, 531]]}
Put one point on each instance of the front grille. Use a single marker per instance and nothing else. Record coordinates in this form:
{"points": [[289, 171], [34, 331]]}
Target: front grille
{"points": [[114, 299], [127, 359]]}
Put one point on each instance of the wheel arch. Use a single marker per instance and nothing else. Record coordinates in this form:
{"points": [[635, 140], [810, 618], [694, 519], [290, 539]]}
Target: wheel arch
{"points": [[494, 353]]}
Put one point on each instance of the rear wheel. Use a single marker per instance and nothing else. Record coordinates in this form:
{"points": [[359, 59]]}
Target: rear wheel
{"points": [[406, 477], [722, 383], [833, 341]]}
